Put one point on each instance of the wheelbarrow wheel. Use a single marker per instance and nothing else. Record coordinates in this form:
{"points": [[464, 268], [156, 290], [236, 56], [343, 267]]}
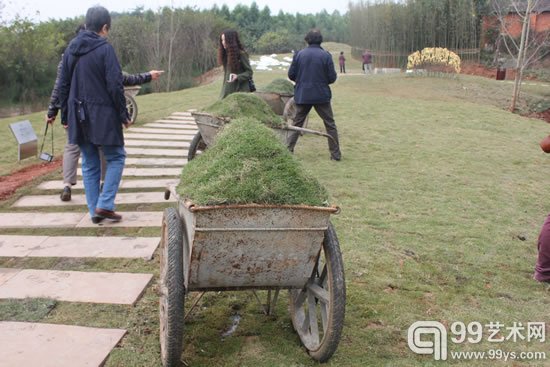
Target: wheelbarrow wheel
{"points": [[196, 147], [318, 309], [172, 289], [132, 107]]}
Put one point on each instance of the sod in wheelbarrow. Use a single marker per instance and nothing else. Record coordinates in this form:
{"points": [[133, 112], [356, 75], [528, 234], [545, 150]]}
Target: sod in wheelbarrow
{"points": [[239, 105], [280, 86], [248, 164]]}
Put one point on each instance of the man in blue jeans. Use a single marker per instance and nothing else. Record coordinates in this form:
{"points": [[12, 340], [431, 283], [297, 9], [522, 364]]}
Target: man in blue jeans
{"points": [[93, 104]]}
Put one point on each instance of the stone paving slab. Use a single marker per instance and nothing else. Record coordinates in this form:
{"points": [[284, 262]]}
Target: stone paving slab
{"points": [[129, 219], [181, 113], [161, 131], [72, 220], [188, 137], [124, 184], [179, 162], [183, 122], [131, 171], [44, 220], [180, 118], [61, 246], [76, 286], [161, 152], [5, 274], [27, 344], [80, 199], [192, 127], [153, 162], [156, 143]]}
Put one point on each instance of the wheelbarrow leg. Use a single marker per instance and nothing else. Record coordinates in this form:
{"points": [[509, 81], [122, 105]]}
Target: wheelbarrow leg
{"points": [[195, 303], [268, 308]]}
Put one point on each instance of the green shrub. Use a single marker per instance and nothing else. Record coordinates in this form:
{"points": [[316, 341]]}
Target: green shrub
{"points": [[239, 105], [248, 164], [279, 86]]}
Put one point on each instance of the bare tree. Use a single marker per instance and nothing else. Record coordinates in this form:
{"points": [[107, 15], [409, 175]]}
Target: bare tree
{"points": [[526, 50]]}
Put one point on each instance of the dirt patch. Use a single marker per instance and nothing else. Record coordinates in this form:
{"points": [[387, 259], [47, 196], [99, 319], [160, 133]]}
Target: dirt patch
{"points": [[209, 76], [480, 70], [544, 115], [17, 179]]}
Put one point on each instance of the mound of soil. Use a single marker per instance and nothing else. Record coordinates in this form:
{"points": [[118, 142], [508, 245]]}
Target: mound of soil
{"points": [[17, 179]]}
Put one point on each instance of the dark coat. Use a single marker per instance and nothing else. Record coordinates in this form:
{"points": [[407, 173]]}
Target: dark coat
{"points": [[127, 80], [97, 83], [241, 84], [313, 70]]}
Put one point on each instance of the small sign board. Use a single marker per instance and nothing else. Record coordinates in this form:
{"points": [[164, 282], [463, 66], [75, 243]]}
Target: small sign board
{"points": [[26, 139]]}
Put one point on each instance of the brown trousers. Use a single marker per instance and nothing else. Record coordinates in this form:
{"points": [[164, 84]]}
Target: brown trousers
{"points": [[325, 112], [542, 268]]}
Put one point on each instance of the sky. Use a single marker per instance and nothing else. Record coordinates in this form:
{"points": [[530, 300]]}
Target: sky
{"points": [[43, 10]]}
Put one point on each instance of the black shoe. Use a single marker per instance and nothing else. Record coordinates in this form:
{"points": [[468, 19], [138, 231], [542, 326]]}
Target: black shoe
{"points": [[66, 194], [107, 214], [96, 219], [335, 159]]}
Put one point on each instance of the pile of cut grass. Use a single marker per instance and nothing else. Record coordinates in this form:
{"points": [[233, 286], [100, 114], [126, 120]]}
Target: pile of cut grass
{"points": [[248, 164], [280, 86], [245, 105]]}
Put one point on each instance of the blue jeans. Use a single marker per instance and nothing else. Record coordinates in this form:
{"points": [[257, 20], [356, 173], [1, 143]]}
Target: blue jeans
{"points": [[115, 155]]}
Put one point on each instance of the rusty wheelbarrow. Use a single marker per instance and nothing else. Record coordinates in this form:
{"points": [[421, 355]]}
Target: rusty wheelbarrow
{"points": [[253, 247], [209, 126]]}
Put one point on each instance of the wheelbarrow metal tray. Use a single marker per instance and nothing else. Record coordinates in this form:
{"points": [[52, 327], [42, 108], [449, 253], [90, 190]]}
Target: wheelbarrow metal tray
{"points": [[276, 101], [209, 125], [233, 247]]}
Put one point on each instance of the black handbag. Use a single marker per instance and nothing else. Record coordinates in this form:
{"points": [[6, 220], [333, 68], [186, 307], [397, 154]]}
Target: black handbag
{"points": [[251, 85]]}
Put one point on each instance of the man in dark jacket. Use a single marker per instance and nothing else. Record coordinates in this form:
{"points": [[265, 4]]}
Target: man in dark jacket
{"points": [[93, 104], [313, 70], [71, 153]]}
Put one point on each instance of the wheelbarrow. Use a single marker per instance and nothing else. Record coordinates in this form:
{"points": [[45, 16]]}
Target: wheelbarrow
{"points": [[209, 126], [253, 247], [131, 105], [276, 101]]}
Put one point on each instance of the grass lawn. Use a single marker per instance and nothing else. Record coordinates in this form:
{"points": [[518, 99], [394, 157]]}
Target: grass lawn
{"points": [[442, 194]]}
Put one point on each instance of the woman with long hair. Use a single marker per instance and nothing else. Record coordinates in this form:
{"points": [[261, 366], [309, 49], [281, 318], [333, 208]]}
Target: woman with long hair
{"points": [[236, 64]]}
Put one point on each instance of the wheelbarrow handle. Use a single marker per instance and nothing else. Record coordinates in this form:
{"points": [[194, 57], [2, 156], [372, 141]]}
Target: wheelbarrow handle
{"points": [[307, 131]]}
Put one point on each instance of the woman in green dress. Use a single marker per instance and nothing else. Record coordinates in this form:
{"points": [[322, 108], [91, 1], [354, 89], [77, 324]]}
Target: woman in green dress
{"points": [[236, 64]]}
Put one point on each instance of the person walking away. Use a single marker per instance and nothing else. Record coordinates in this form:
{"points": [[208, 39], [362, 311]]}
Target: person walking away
{"points": [[542, 267], [93, 104], [312, 70], [71, 153], [236, 64], [342, 62], [367, 62]]}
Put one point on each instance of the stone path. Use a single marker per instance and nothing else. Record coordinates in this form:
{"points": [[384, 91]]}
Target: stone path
{"points": [[58, 246], [80, 199], [75, 286], [172, 126], [155, 172], [124, 184], [161, 131], [151, 153], [76, 220], [160, 152], [47, 345], [149, 136]]}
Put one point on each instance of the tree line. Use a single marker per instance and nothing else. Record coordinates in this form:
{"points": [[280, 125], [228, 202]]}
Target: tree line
{"points": [[181, 41], [394, 29]]}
